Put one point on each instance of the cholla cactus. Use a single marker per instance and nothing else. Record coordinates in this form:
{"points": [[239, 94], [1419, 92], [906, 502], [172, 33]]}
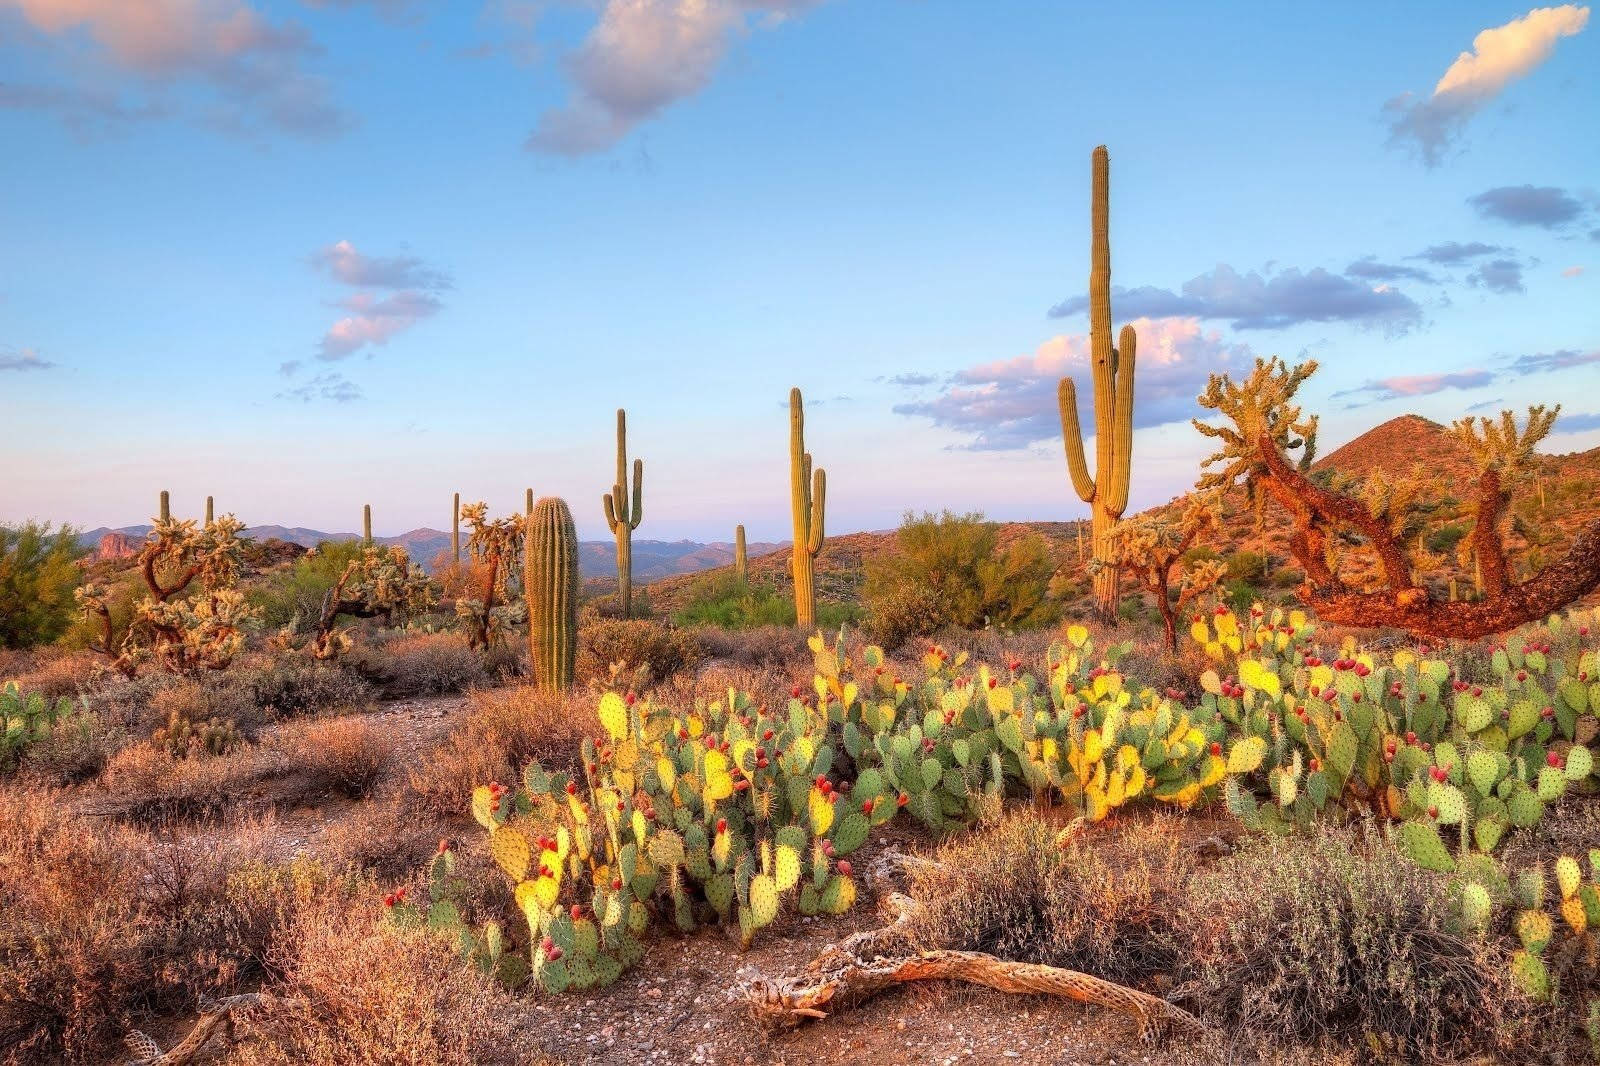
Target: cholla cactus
{"points": [[383, 582], [1383, 518], [1151, 546], [496, 549], [180, 630]]}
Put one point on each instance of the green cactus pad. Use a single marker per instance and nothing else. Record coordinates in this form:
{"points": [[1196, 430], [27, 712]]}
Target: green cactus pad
{"points": [[838, 895], [1451, 804], [763, 900], [1245, 756], [787, 868], [1530, 889], [850, 833], [1421, 844], [1534, 929], [1552, 784], [1483, 770], [1476, 907], [554, 977], [1530, 976], [1580, 763], [1568, 876], [810, 902], [1487, 831], [666, 848], [1524, 807]]}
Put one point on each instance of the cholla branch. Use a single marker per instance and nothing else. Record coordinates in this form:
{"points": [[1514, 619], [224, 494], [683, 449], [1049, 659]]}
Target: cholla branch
{"points": [[1384, 516], [496, 547], [1152, 546]]}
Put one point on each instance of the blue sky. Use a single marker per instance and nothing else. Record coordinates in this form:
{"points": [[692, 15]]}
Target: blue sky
{"points": [[304, 255]]}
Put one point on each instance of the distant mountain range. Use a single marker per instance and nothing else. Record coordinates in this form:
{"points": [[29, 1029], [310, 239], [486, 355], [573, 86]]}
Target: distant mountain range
{"points": [[652, 559]]}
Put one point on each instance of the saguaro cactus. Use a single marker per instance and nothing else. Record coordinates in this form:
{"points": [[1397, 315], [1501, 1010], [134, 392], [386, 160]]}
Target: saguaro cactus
{"points": [[166, 506], [623, 517], [741, 565], [527, 507], [550, 585], [808, 491], [1106, 492], [210, 513], [455, 529], [366, 523]]}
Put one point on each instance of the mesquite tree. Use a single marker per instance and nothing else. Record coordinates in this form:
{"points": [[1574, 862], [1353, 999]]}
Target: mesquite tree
{"points": [[1381, 518]]}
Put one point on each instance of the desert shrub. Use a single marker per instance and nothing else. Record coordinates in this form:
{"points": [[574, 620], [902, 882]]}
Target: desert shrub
{"points": [[124, 590], [1247, 566], [383, 837], [74, 750], [343, 755], [422, 664], [1443, 541], [504, 729], [762, 647], [1328, 937], [959, 560], [724, 601], [53, 673], [38, 573], [295, 594], [904, 613], [355, 990], [657, 651], [215, 698], [294, 686], [143, 783], [1103, 904]]}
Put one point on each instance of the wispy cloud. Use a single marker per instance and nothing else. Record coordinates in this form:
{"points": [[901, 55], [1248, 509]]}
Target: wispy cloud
{"points": [[1369, 269], [397, 292], [1577, 423], [1528, 205], [912, 380], [330, 386], [1011, 404], [1454, 253], [1499, 56], [1498, 275], [1405, 386], [256, 68], [1562, 359], [1266, 300], [1572, 272], [641, 57], [23, 359], [1485, 405]]}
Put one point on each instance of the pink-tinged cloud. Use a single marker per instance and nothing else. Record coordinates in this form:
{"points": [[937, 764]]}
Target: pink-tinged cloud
{"points": [[641, 57], [256, 65], [1572, 272], [1499, 56], [1011, 403], [375, 321], [1405, 386], [346, 264]]}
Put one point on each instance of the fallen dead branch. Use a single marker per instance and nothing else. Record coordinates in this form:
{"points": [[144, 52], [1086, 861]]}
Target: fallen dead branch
{"points": [[215, 1015], [847, 974]]}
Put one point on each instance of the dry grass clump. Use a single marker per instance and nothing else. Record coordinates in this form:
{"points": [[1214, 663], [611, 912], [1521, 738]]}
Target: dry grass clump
{"points": [[290, 686], [343, 755], [760, 647], [50, 673], [504, 729], [652, 651], [103, 925], [202, 699], [75, 750], [143, 783], [355, 991], [420, 664], [1328, 938], [384, 837]]}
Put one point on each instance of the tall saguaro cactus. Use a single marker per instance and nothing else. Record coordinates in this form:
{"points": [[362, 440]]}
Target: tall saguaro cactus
{"points": [[455, 529], [527, 507], [808, 491], [741, 564], [210, 513], [1106, 492], [550, 585], [366, 523], [623, 517], [166, 506]]}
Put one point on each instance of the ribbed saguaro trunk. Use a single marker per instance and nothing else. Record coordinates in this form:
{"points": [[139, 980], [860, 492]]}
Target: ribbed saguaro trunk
{"points": [[808, 491], [1106, 492], [527, 506], [166, 506], [455, 529], [210, 512], [741, 564], [366, 523], [550, 585], [622, 516]]}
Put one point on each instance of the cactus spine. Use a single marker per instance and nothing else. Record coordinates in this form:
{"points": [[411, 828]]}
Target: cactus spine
{"points": [[741, 564], [210, 512], [366, 523], [808, 491], [623, 517], [455, 529], [1107, 492], [550, 585], [166, 506]]}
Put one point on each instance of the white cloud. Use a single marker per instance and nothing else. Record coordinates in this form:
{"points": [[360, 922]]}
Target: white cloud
{"points": [[1499, 56], [22, 360], [641, 57]]}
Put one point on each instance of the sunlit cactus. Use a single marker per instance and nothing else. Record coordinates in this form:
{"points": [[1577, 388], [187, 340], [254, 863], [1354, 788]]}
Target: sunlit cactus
{"points": [[166, 506], [1106, 492], [381, 583], [527, 506], [210, 511], [1380, 519], [741, 564], [808, 491], [550, 576], [1151, 546], [622, 516], [455, 529], [495, 603], [366, 523]]}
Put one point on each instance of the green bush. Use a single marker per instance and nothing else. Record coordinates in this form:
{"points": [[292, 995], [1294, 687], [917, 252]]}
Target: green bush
{"points": [[958, 559], [724, 601], [905, 613], [38, 572], [298, 592], [1249, 567], [1443, 540]]}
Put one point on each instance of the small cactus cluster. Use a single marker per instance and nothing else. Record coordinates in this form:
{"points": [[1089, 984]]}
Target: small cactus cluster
{"points": [[25, 719], [487, 949], [1398, 736], [181, 737], [193, 616], [1555, 930]]}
